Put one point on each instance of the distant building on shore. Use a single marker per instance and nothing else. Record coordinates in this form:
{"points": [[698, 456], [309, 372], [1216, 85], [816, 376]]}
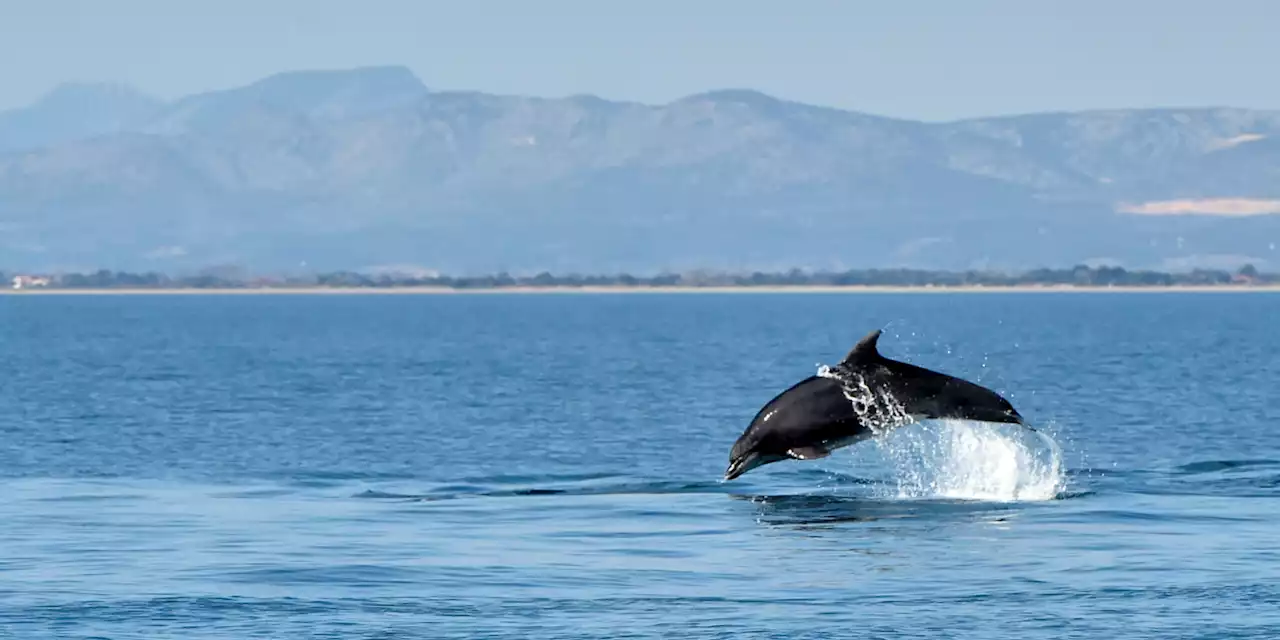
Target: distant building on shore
{"points": [[28, 282]]}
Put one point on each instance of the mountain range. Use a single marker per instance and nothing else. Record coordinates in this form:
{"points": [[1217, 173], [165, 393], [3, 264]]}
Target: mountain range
{"points": [[368, 168]]}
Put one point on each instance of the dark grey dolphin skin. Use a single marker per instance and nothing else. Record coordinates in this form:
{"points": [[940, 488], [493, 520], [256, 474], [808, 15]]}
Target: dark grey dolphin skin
{"points": [[814, 417]]}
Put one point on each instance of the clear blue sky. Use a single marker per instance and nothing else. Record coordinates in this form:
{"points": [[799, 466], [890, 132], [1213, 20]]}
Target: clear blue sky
{"points": [[932, 60]]}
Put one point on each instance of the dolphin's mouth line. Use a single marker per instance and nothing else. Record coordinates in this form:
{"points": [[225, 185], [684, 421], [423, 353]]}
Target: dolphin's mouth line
{"points": [[734, 470]]}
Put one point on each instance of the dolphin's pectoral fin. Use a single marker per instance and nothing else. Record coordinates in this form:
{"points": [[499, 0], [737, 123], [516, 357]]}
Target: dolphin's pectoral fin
{"points": [[808, 453]]}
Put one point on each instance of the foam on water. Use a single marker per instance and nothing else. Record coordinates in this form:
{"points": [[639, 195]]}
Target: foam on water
{"points": [[956, 459]]}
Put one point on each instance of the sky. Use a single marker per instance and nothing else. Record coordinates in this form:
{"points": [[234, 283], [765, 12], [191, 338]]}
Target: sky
{"points": [[927, 60]]}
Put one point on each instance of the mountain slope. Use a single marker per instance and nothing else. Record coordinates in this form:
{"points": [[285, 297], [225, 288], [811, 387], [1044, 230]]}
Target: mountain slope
{"points": [[360, 167], [75, 111]]}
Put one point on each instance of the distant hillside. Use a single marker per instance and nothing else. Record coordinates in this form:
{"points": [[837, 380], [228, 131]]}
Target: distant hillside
{"points": [[367, 167]]}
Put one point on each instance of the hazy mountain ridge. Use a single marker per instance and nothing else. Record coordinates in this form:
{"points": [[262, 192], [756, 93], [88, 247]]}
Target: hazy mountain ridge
{"points": [[75, 111], [344, 169]]}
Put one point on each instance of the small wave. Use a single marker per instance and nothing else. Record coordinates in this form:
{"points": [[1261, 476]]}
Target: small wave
{"points": [[828, 510], [828, 475], [1135, 515], [92, 497], [336, 475], [1209, 466], [353, 575], [1240, 478], [1072, 495], [503, 479], [651, 487]]}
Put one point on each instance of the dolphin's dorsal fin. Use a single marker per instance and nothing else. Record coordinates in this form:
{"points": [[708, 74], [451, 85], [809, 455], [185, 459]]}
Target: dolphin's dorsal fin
{"points": [[865, 350]]}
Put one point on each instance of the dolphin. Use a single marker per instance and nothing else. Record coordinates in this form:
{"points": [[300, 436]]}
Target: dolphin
{"points": [[823, 413]]}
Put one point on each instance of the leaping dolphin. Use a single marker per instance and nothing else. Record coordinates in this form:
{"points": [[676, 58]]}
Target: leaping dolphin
{"points": [[823, 413]]}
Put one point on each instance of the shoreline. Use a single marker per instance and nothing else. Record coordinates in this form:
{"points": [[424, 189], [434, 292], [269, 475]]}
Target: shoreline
{"points": [[526, 290]]}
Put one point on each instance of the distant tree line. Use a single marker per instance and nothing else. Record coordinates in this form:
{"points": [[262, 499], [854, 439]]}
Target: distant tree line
{"points": [[1080, 276]]}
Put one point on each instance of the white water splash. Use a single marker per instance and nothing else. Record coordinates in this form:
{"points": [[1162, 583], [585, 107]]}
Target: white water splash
{"points": [[877, 409], [965, 460], [954, 459]]}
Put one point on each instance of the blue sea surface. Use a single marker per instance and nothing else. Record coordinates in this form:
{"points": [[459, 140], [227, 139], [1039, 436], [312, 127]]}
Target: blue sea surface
{"points": [[549, 466]]}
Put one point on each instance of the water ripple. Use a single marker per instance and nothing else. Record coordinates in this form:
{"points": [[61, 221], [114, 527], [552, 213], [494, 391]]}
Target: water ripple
{"points": [[230, 467]]}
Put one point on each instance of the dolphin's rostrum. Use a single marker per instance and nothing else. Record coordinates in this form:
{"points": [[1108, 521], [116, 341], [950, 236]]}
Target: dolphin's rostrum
{"points": [[823, 413]]}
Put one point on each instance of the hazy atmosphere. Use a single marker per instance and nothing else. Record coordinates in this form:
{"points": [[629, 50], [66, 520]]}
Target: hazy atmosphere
{"points": [[913, 59], [481, 137]]}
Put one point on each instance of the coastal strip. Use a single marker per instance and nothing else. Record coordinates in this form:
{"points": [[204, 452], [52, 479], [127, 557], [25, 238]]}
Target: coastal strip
{"points": [[894, 280], [519, 290]]}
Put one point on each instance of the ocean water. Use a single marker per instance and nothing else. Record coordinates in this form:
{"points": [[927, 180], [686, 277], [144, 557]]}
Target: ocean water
{"points": [[548, 466]]}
